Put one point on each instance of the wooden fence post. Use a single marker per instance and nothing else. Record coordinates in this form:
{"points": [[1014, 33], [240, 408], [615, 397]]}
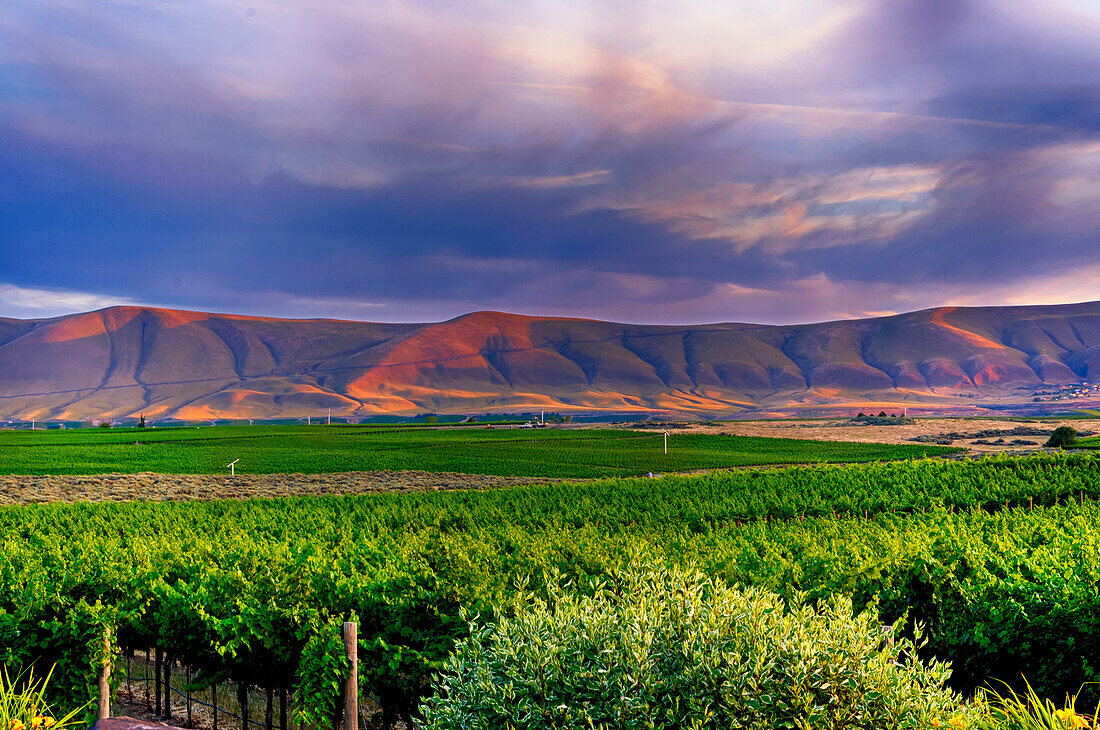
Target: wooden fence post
{"points": [[105, 678], [351, 687], [282, 708], [189, 722], [156, 673], [268, 710], [145, 678], [167, 688], [242, 702]]}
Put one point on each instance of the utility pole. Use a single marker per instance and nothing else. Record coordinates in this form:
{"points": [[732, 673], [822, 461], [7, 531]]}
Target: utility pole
{"points": [[666, 441], [329, 417]]}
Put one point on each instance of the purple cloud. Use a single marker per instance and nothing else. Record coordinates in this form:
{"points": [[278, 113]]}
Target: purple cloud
{"points": [[772, 161]]}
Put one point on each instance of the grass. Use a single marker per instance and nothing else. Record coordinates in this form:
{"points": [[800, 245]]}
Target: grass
{"points": [[1028, 711], [567, 453], [23, 705]]}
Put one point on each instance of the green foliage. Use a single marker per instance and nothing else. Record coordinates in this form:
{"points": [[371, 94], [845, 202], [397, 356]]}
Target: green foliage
{"points": [[255, 590], [882, 420], [321, 673], [658, 649], [1063, 437], [567, 453], [50, 628]]}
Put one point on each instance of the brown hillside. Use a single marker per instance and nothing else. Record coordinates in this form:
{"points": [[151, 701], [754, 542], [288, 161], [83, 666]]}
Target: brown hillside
{"points": [[128, 360]]}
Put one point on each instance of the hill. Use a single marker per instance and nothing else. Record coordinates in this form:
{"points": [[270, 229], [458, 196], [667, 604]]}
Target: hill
{"points": [[122, 361]]}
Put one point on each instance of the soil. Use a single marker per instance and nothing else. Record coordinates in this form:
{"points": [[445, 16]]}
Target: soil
{"points": [[174, 487], [129, 723], [906, 433]]}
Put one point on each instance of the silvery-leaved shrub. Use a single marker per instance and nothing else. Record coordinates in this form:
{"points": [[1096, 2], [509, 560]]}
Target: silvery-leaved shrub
{"points": [[670, 649]]}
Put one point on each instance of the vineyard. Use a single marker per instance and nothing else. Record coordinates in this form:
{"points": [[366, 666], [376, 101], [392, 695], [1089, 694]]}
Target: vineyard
{"points": [[569, 453], [999, 558]]}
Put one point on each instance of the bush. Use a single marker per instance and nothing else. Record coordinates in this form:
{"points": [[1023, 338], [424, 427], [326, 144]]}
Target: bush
{"points": [[676, 650], [1063, 437]]}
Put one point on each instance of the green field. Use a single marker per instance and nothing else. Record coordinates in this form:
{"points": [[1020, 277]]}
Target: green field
{"points": [[568, 453], [999, 558]]}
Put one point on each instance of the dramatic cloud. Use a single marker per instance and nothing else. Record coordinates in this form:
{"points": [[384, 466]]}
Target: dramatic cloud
{"points": [[778, 161]]}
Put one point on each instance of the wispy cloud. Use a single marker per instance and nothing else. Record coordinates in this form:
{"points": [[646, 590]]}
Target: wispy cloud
{"points": [[591, 177], [33, 303]]}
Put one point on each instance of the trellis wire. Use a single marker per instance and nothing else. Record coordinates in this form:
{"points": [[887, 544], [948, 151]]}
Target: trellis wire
{"points": [[218, 709]]}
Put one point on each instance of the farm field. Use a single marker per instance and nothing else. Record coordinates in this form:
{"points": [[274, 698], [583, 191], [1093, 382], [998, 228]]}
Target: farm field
{"points": [[999, 558], [1089, 442], [565, 453], [844, 429]]}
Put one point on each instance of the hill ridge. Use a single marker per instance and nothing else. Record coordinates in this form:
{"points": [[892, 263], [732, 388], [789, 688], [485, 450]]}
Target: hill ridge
{"points": [[125, 360]]}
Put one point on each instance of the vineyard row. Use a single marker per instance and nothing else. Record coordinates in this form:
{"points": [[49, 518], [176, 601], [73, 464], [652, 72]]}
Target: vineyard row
{"points": [[1000, 559]]}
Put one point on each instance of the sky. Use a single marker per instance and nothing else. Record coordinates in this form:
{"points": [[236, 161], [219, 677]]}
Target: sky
{"points": [[772, 161]]}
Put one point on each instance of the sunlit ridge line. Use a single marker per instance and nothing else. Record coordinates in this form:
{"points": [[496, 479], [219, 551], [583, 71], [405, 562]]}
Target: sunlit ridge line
{"points": [[428, 361]]}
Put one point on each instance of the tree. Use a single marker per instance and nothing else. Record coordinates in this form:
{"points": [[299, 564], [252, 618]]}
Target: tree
{"points": [[141, 421], [1063, 437]]}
